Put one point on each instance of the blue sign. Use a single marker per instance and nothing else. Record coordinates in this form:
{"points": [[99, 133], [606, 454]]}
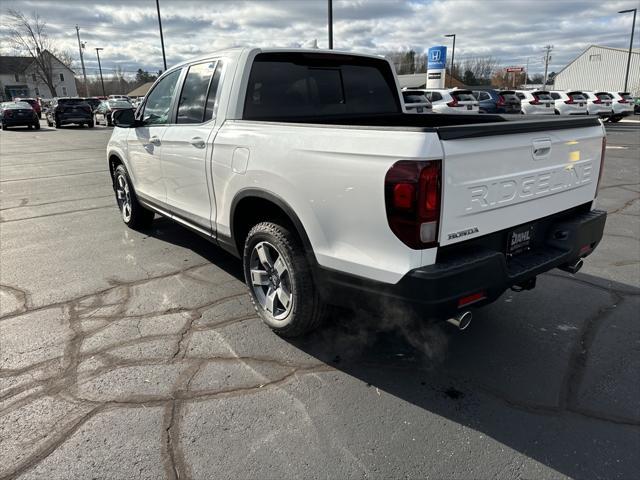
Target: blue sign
{"points": [[437, 58]]}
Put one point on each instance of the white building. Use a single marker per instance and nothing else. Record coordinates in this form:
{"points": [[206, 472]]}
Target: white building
{"points": [[601, 68], [19, 78]]}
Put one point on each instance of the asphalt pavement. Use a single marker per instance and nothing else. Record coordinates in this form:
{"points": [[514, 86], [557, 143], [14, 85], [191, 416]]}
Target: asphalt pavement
{"points": [[137, 355]]}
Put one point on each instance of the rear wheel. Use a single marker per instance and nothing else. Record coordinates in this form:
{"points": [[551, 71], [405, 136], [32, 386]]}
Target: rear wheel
{"points": [[615, 119], [280, 282], [90, 124], [109, 122], [36, 126], [133, 214]]}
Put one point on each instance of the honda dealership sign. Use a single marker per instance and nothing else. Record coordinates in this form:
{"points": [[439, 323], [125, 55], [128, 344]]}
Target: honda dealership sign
{"points": [[436, 66]]}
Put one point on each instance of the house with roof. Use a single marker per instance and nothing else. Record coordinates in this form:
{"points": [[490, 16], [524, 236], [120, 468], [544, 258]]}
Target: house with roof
{"points": [[19, 78], [601, 68]]}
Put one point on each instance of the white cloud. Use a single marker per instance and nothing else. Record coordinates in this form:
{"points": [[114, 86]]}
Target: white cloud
{"points": [[511, 31]]}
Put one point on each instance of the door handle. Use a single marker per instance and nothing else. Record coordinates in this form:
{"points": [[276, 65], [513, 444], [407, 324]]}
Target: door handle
{"points": [[197, 142], [154, 140]]}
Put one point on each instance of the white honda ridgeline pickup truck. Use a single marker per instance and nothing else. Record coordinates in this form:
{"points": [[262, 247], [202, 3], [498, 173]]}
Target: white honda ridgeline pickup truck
{"points": [[305, 164]]}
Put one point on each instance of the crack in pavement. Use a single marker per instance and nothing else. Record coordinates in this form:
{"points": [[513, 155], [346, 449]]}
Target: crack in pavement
{"points": [[25, 202], [57, 214], [112, 308], [28, 179]]}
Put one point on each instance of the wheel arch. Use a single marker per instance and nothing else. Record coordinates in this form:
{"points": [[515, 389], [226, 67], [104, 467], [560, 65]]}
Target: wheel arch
{"points": [[271, 206]]}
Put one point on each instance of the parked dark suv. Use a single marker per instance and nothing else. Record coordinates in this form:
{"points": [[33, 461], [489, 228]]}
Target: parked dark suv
{"points": [[64, 111], [494, 101]]}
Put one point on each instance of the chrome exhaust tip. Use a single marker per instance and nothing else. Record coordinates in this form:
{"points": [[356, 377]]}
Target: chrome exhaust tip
{"points": [[462, 320], [574, 268]]}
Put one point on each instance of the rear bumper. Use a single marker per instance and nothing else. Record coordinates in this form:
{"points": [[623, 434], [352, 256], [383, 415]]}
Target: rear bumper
{"points": [[13, 122], [435, 290], [73, 118]]}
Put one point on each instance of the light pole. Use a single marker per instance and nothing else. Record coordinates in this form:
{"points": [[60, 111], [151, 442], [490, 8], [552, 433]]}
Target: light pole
{"points": [[633, 26], [100, 68], [453, 55], [330, 21], [164, 58], [84, 72]]}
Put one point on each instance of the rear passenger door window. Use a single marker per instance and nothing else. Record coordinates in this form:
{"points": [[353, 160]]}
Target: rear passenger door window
{"points": [[198, 96], [435, 96]]}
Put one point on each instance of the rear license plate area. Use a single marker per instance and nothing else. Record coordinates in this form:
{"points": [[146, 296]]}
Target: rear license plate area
{"points": [[469, 107], [519, 241]]}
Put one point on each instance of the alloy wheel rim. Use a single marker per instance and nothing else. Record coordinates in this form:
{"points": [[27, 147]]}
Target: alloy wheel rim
{"points": [[270, 280], [123, 195]]}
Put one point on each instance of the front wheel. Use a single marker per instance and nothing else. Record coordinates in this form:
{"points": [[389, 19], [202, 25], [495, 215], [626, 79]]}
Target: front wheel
{"points": [[133, 214], [280, 282]]}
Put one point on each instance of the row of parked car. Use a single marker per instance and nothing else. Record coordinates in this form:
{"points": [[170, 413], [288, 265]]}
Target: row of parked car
{"points": [[609, 105], [62, 111]]}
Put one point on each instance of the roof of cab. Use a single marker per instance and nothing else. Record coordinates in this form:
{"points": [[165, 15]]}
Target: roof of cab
{"points": [[236, 52]]}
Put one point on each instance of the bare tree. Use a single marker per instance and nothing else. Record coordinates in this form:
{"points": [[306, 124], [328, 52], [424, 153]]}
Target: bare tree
{"points": [[480, 68], [29, 37]]}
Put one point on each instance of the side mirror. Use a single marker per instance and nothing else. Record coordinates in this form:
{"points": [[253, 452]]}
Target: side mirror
{"points": [[125, 118]]}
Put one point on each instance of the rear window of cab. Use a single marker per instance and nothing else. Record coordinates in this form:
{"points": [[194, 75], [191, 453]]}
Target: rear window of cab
{"points": [[283, 85]]}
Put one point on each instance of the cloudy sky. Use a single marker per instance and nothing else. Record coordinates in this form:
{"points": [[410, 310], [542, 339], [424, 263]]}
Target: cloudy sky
{"points": [[512, 31]]}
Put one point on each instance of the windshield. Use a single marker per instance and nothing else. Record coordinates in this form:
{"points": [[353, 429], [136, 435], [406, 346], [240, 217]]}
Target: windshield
{"points": [[543, 96], [465, 96], [119, 104], [71, 101], [16, 105], [510, 96], [414, 98]]}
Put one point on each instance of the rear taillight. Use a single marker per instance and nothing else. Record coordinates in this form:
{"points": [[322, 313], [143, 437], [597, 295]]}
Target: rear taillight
{"points": [[501, 101], [412, 198], [8, 113], [453, 103], [623, 100], [535, 102], [604, 149], [569, 102], [598, 101], [87, 108]]}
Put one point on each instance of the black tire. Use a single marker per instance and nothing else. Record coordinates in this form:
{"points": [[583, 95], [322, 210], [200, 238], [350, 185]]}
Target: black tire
{"points": [[615, 119], [36, 126], [557, 112], [109, 122], [135, 215], [56, 123], [90, 124], [5, 127], [306, 309]]}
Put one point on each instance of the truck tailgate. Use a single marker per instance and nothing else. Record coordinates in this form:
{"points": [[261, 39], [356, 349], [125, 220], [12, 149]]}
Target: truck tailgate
{"points": [[494, 182]]}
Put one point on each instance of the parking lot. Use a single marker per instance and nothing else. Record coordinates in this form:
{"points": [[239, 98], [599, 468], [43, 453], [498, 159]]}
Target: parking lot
{"points": [[137, 355]]}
